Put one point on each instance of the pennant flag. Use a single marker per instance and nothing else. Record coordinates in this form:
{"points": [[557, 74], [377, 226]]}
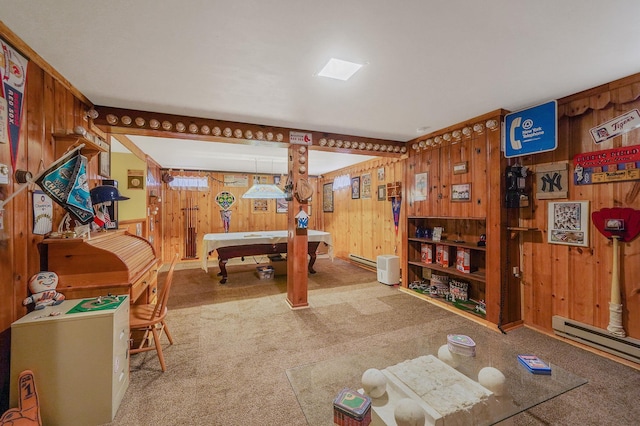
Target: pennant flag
{"points": [[13, 73], [226, 219], [395, 206], [42, 213], [66, 183]]}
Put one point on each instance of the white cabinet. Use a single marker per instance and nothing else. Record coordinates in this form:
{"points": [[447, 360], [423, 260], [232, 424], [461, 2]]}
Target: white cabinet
{"points": [[80, 361]]}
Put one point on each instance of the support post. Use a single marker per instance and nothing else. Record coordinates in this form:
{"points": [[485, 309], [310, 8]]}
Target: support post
{"points": [[297, 239]]}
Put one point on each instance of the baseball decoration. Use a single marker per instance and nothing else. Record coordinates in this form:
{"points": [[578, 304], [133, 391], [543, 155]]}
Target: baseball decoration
{"points": [[618, 224]]}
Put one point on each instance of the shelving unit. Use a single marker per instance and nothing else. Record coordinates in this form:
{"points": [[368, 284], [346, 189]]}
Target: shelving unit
{"points": [[92, 145], [458, 233]]}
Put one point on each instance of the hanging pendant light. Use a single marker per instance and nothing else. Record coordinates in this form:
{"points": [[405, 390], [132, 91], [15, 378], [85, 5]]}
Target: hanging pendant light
{"points": [[263, 190]]}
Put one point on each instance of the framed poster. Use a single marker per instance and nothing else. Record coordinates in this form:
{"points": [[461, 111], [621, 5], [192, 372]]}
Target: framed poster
{"points": [[422, 186], [282, 206], [568, 223], [104, 164], [327, 197], [382, 192], [135, 179], [260, 206], [461, 192], [355, 188], [366, 186]]}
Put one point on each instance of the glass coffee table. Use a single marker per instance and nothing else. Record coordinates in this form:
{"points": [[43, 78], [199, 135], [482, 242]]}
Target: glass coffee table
{"points": [[317, 384]]}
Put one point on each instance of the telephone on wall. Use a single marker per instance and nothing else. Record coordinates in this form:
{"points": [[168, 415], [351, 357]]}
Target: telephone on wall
{"points": [[516, 187]]}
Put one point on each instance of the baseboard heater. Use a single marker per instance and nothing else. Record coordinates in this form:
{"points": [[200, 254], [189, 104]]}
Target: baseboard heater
{"points": [[363, 261], [624, 347]]}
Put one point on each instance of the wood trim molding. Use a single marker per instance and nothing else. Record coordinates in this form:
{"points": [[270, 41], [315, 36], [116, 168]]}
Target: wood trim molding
{"points": [[134, 122], [617, 92], [489, 122]]}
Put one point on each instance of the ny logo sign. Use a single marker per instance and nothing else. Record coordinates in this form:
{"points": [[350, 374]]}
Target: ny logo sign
{"points": [[552, 181]]}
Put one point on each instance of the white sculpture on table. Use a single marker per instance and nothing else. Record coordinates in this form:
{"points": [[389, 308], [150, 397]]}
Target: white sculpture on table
{"points": [[409, 413], [374, 383]]}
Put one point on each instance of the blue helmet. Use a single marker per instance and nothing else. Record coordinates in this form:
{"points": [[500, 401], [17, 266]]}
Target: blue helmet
{"points": [[104, 193]]}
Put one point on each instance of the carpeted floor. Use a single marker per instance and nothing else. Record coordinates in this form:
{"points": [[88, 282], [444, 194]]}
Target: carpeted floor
{"points": [[237, 343]]}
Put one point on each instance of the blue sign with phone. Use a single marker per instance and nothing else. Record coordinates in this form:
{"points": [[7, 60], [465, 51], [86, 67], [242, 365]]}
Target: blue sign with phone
{"points": [[531, 130]]}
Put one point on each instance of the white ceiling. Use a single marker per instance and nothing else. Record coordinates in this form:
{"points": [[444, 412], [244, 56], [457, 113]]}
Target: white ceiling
{"points": [[429, 63]]}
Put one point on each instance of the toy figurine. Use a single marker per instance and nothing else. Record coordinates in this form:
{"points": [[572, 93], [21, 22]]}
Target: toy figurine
{"points": [[43, 290]]}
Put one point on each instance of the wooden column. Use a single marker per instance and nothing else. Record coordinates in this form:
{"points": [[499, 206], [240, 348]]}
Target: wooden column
{"points": [[297, 243]]}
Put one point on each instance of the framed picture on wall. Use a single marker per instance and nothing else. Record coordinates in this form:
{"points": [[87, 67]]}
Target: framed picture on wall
{"points": [[260, 206], [382, 192], [355, 188], [135, 179], [365, 190], [327, 197], [568, 223], [461, 192], [422, 187], [281, 205], [104, 164]]}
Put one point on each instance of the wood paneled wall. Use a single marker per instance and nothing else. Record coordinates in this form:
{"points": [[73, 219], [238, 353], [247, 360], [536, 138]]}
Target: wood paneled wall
{"points": [[51, 105], [244, 218], [574, 282], [475, 143], [363, 226]]}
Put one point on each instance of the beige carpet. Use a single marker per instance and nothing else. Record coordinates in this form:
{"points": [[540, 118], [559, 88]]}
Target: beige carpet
{"points": [[238, 343]]}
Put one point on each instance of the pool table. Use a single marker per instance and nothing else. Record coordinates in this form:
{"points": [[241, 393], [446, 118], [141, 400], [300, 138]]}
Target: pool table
{"points": [[241, 244]]}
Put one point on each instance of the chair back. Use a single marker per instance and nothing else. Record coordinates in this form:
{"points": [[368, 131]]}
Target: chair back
{"points": [[163, 298]]}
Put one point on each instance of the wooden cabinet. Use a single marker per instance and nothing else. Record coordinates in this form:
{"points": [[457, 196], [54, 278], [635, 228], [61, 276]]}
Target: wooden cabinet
{"points": [[455, 260], [80, 361], [112, 262]]}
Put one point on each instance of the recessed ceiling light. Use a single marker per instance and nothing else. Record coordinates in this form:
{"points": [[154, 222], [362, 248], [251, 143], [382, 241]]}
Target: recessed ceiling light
{"points": [[339, 69]]}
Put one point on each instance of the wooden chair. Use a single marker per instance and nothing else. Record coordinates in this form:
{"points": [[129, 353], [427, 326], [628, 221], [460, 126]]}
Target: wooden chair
{"points": [[151, 319]]}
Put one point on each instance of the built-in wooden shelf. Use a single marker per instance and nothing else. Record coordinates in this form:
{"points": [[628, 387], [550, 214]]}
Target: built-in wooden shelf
{"points": [[478, 275], [92, 145]]}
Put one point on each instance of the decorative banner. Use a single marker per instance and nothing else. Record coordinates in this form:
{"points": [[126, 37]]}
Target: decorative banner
{"points": [[226, 219], [42, 213], [13, 72], [225, 200], [616, 126], [611, 165], [395, 206], [66, 183]]}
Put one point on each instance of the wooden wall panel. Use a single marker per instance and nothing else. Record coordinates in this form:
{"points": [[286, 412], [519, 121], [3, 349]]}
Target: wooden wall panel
{"points": [[48, 106], [243, 216], [574, 282], [364, 226]]}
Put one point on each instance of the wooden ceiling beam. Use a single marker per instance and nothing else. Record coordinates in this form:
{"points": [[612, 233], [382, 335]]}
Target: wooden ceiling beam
{"points": [[144, 123]]}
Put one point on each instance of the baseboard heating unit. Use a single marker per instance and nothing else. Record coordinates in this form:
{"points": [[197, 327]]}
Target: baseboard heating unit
{"points": [[624, 347], [363, 261]]}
